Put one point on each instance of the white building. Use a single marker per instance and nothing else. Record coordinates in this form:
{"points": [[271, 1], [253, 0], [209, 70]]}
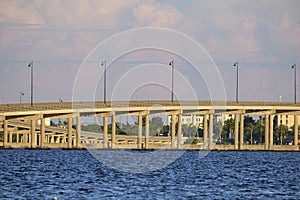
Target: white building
{"points": [[197, 120]]}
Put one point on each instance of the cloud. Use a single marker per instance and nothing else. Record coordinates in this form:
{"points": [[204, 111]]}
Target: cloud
{"points": [[260, 34], [285, 36], [153, 14]]}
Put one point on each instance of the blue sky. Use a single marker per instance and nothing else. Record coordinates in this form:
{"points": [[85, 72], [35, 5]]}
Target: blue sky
{"points": [[57, 35]]}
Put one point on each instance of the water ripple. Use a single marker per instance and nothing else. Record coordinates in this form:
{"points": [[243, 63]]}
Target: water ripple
{"points": [[37, 174]]}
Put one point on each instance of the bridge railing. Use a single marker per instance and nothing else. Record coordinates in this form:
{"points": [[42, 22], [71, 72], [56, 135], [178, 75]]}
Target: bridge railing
{"points": [[142, 103]]}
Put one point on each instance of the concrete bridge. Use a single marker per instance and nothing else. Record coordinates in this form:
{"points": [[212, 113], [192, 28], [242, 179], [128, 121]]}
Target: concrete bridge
{"points": [[23, 125]]}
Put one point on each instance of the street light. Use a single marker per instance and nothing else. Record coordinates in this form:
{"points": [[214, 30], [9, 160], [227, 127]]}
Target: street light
{"points": [[172, 92], [104, 85], [295, 82], [31, 91], [59, 120], [237, 80], [21, 94]]}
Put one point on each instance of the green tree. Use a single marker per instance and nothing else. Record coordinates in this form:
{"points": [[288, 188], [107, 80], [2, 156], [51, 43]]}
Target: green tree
{"points": [[156, 125], [259, 130], [165, 130], [188, 130], [217, 129], [250, 129], [281, 133], [227, 128], [248, 120]]}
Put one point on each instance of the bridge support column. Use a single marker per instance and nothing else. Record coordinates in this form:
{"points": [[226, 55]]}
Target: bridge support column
{"points": [[140, 132], [33, 134], [105, 132], [242, 131], [296, 124], [5, 133], [70, 122], [10, 136], [236, 131], [147, 130], [42, 133], [113, 130], [173, 131], [271, 132], [204, 131], [26, 136], [267, 117], [211, 129], [78, 131], [179, 132]]}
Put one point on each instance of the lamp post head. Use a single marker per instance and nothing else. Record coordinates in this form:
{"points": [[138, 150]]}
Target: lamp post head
{"points": [[30, 64], [294, 66], [171, 63], [103, 63], [236, 64]]}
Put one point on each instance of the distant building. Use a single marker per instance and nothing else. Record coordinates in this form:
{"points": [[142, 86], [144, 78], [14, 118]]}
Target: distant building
{"points": [[197, 120], [287, 120]]}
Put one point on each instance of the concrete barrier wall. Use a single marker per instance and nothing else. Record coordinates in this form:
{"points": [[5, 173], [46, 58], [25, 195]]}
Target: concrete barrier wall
{"points": [[254, 147], [223, 147], [284, 148]]}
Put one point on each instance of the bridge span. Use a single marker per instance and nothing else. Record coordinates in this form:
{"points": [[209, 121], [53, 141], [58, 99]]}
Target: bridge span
{"points": [[23, 125]]}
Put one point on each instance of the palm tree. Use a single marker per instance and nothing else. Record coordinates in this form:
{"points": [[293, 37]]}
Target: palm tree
{"points": [[250, 128], [259, 128], [281, 130], [228, 128]]}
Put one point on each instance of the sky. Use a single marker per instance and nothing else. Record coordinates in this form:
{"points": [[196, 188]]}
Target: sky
{"points": [[65, 38]]}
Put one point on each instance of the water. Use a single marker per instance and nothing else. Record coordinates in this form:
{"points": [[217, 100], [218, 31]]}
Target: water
{"points": [[45, 174]]}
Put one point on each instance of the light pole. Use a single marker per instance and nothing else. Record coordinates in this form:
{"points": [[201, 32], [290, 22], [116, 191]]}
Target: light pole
{"points": [[31, 83], [295, 82], [104, 85], [237, 80], [172, 92], [21, 94], [59, 120]]}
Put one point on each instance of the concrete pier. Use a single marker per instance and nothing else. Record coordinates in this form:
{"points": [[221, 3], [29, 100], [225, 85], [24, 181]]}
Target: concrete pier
{"points": [[42, 133], [179, 132], [78, 131], [271, 131], [242, 131], [267, 116], [140, 132], [5, 133], [147, 131], [205, 131], [105, 132], [113, 130], [236, 131], [70, 137], [211, 128], [33, 138], [173, 131], [296, 134]]}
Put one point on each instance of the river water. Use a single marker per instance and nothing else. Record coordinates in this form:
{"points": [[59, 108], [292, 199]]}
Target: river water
{"points": [[76, 174]]}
